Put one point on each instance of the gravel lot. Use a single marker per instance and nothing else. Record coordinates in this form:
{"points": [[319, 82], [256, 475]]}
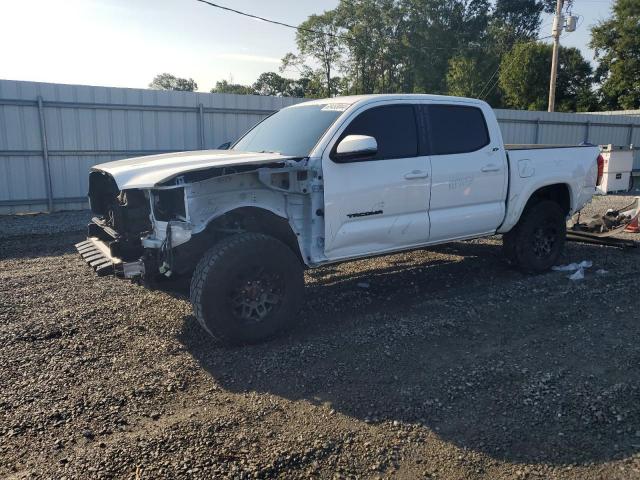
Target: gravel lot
{"points": [[431, 364]]}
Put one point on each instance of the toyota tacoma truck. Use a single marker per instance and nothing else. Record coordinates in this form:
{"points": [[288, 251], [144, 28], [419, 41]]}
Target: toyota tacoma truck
{"points": [[329, 181]]}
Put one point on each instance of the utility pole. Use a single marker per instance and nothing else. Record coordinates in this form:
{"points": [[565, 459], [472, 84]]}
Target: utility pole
{"points": [[557, 30]]}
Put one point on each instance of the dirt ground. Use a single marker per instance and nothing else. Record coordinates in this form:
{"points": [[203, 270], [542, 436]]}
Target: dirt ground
{"points": [[443, 363]]}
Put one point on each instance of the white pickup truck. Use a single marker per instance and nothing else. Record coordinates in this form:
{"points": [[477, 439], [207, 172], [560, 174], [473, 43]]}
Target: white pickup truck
{"points": [[329, 181]]}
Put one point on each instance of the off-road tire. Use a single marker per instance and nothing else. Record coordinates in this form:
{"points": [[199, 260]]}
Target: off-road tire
{"points": [[216, 277], [543, 223]]}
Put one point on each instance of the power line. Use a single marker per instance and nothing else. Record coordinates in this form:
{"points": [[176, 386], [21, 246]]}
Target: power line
{"points": [[268, 20]]}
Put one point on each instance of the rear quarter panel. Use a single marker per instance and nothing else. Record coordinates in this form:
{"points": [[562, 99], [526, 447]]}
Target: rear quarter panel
{"points": [[532, 169]]}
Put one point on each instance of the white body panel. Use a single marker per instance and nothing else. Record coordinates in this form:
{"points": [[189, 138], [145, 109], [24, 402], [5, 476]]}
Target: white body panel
{"points": [[614, 182], [374, 208], [532, 169], [147, 172]]}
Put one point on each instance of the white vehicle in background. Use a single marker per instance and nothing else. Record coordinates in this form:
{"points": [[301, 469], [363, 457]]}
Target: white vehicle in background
{"points": [[329, 181]]}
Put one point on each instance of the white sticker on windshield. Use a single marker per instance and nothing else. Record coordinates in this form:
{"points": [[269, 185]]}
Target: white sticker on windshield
{"points": [[336, 107]]}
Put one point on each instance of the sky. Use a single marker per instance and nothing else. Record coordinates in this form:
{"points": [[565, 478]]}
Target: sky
{"points": [[125, 43]]}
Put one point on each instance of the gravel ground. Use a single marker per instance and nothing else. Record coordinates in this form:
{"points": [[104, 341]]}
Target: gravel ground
{"points": [[431, 364], [43, 223]]}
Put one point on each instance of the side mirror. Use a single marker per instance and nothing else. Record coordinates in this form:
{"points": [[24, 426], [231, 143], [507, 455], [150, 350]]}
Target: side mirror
{"points": [[224, 146], [356, 147]]}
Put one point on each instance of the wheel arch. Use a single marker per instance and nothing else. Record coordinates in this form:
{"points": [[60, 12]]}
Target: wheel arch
{"points": [[257, 220], [559, 192], [556, 192]]}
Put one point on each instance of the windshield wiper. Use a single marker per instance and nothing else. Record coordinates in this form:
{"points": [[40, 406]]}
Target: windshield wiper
{"points": [[269, 151]]}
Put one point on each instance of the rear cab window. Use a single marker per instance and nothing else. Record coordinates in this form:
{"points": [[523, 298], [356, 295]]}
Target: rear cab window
{"points": [[394, 128], [455, 129]]}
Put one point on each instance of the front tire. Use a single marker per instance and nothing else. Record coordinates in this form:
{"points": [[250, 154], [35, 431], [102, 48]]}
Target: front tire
{"points": [[536, 242], [247, 288]]}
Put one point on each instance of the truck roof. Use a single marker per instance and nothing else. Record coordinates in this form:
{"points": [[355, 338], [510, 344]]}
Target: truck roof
{"points": [[352, 99]]}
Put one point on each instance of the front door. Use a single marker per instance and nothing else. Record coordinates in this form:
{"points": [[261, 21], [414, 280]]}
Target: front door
{"points": [[381, 203]]}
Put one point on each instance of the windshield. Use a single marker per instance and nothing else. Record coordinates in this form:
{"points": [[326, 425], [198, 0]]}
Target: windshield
{"points": [[291, 131]]}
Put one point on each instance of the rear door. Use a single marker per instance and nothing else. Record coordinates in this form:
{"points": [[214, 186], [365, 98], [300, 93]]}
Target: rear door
{"points": [[381, 203], [469, 172]]}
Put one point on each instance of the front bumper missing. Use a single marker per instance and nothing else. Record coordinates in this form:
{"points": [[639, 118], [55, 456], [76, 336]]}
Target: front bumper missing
{"points": [[98, 255]]}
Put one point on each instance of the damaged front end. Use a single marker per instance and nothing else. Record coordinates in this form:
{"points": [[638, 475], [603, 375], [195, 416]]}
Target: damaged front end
{"points": [[133, 233], [151, 223], [120, 219]]}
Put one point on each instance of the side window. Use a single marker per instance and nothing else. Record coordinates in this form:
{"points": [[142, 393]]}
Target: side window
{"points": [[393, 127], [456, 129]]}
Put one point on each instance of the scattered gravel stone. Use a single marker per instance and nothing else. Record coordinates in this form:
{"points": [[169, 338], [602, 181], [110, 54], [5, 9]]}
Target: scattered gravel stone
{"points": [[449, 365], [43, 223]]}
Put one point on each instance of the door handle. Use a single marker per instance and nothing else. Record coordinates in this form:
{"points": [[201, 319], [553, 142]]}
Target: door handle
{"points": [[490, 168], [416, 174]]}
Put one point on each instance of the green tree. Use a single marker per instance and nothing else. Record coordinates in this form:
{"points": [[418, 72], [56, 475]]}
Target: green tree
{"points": [[520, 19], [224, 86], [318, 38], [434, 46], [270, 83], [311, 82], [524, 78], [471, 76], [436, 31], [616, 42], [375, 42], [511, 22], [166, 81]]}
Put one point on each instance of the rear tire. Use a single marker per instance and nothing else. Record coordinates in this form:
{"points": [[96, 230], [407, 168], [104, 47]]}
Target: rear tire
{"points": [[247, 288], [536, 242]]}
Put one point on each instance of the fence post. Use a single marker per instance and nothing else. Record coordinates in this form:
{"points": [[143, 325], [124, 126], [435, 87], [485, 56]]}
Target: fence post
{"points": [[630, 135], [586, 132], [45, 156], [537, 135], [201, 125]]}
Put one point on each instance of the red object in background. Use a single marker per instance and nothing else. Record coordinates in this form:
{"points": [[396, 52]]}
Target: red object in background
{"points": [[600, 169], [633, 226]]}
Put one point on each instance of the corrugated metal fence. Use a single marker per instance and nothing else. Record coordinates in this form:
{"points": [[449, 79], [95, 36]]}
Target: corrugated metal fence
{"points": [[51, 134], [570, 128]]}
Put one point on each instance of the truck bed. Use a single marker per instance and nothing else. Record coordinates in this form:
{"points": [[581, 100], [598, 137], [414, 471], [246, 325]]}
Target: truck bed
{"points": [[533, 166]]}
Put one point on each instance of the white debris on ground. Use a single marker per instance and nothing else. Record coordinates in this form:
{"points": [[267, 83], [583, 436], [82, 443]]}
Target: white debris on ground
{"points": [[577, 275], [573, 266], [576, 268]]}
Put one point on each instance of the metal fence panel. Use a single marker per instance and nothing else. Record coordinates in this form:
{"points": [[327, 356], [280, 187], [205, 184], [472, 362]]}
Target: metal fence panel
{"points": [[51, 134], [89, 125], [519, 126]]}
